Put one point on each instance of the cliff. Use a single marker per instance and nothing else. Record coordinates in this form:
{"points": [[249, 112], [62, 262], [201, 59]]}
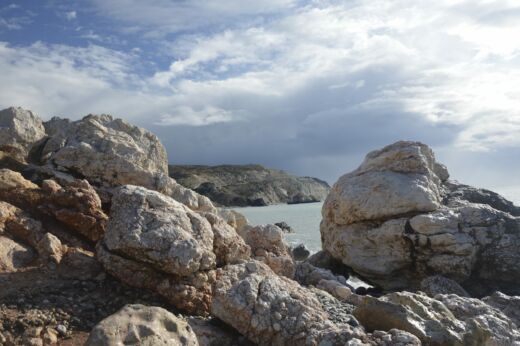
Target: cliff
{"points": [[249, 185]]}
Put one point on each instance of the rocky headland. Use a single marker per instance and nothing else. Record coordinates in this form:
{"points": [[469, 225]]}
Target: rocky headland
{"points": [[249, 185], [99, 246]]}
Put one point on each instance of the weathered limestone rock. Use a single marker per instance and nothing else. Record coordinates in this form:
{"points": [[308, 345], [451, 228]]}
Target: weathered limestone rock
{"points": [[273, 310], [156, 229], [11, 180], [192, 294], [77, 205], [268, 245], [446, 320], [397, 220], [13, 255], [336, 285], [510, 306], [105, 151], [142, 325], [437, 284], [157, 243], [19, 130]]}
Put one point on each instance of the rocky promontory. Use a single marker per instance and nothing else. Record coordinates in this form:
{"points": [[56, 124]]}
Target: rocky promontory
{"points": [[249, 185], [99, 246]]}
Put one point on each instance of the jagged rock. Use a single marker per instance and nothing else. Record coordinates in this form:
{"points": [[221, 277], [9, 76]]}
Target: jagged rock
{"points": [[397, 220], [268, 245], [192, 294], [272, 310], [105, 150], [77, 205], [307, 274], [300, 252], [13, 255], [157, 243], [142, 325], [446, 320], [153, 228], [284, 227], [50, 248], [510, 306], [11, 180], [19, 130], [242, 185], [437, 284]]}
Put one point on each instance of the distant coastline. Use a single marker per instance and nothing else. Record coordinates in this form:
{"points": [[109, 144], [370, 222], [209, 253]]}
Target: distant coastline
{"points": [[249, 185]]}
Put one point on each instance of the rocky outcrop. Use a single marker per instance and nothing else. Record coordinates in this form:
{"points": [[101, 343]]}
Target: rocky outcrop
{"points": [[106, 150], [437, 284], [446, 320], [142, 325], [19, 130], [397, 219], [268, 246], [249, 185], [157, 243], [272, 310]]}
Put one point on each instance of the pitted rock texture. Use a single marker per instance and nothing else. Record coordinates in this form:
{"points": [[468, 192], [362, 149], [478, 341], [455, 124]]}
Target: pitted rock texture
{"points": [[268, 245], [75, 206], [397, 220], [273, 310], [156, 243], [445, 320], [150, 227], [142, 325], [20, 129], [105, 150]]}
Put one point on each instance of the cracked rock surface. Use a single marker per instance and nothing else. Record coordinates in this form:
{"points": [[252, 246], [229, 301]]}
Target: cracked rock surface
{"points": [[397, 220]]}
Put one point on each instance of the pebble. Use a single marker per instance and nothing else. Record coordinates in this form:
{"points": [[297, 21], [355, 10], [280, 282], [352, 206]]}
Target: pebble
{"points": [[61, 329]]}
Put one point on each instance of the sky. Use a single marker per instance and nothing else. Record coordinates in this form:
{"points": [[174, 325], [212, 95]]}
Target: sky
{"points": [[305, 86]]}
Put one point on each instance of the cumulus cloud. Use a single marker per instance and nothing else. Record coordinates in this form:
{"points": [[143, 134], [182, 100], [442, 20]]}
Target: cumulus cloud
{"points": [[308, 86]]}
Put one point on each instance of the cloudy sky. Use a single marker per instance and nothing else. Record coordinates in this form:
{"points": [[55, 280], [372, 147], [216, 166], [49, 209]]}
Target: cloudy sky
{"points": [[306, 86]]}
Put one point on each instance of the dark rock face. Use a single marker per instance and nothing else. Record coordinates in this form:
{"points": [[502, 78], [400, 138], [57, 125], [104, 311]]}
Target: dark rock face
{"points": [[249, 185], [300, 252]]}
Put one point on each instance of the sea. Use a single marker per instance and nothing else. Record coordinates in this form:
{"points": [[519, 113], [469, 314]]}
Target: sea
{"points": [[305, 218]]}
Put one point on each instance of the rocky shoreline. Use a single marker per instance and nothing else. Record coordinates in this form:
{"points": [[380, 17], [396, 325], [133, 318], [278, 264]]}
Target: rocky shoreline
{"points": [[249, 185], [99, 246]]}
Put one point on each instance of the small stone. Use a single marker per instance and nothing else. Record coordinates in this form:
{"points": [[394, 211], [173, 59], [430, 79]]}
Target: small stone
{"points": [[62, 330]]}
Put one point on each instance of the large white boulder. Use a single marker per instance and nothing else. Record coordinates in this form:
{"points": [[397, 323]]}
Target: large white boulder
{"points": [[397, 220], [20, 129]]}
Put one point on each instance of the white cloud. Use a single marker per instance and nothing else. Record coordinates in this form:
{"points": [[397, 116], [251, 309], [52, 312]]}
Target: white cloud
{"points": [[70, 15], [299, 83]]}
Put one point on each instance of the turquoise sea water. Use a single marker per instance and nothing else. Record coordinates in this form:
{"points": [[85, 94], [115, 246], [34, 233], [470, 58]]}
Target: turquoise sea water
{"points": [[303, 218]]}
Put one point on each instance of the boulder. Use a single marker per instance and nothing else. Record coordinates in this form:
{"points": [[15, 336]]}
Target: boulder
{"points": [[150, 227], [11, 180], [142, 325], [156, 243], [446, 320], [20, 129], [13, 255], [272, 310], [75, 206], [397, 220], [268, 245], [300, 252], [105, 151], [437, 284]]}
